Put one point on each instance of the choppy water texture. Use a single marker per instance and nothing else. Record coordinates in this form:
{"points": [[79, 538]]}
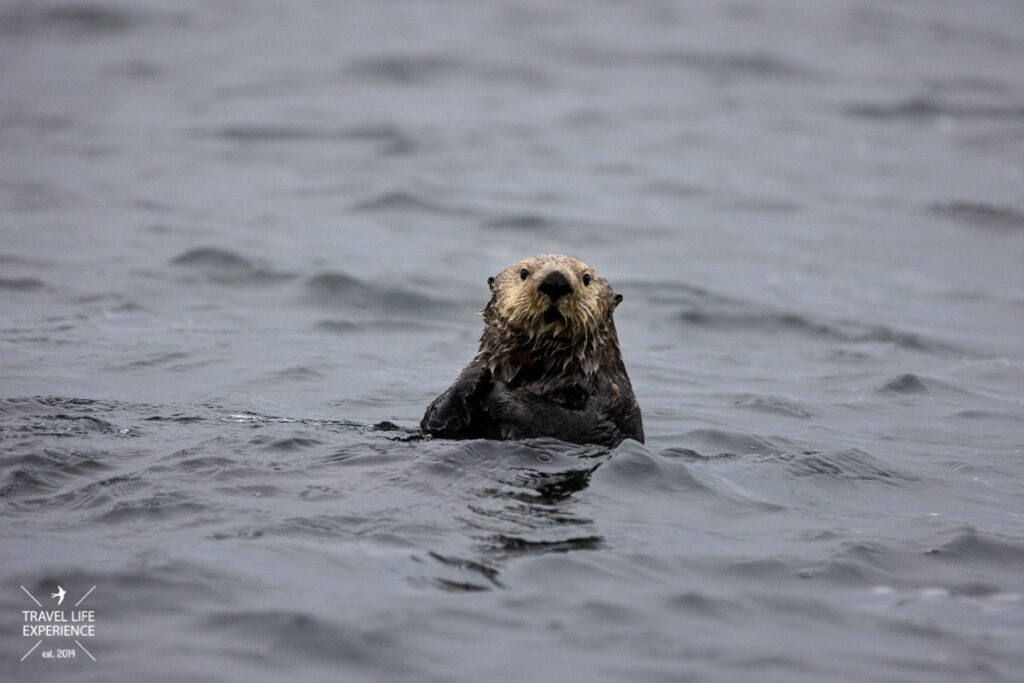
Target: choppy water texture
{"points": [[244, 244]]}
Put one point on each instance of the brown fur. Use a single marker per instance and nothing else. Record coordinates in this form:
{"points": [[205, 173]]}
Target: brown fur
{"points": [[546, 366], [522, 336]]}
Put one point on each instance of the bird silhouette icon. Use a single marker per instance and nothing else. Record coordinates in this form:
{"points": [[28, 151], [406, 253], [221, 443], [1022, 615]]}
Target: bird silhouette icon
{"points": [[59, 595]]}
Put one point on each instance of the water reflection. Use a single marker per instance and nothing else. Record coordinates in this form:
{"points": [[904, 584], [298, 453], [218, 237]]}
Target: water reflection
{"points": [[526, 510]]}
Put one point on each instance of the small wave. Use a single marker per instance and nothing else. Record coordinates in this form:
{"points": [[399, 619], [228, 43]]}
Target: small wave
{"points": [[850, 465], [291, 634], [274, 133], [910, 383], [222, 266], [167, 505], [518, 509], [17, 481], [551, 487], [402, 200], [401, 69], [320, 492], [541, 454], [761, 206], [546, 513], [44, 406], [175, 417], [872, 562], [29, 479], [634, 466], [406, 325], [16, 260], [51, 467], [674, 293], [344, 290], [968, 83], [336, 283], [392, 139], [704, 606], [761, 65], [527, 222], [473, 570], [366, 455], [515, 545], [375, 132], [165, 359], [736, 315], [920, 108], [79, 19], [774, 405], [762, 568], [991, 216], [102, 494], [716, 65], [299, 373], [970, 545], [674, 189], [721, 442], [457, 586], [286, 444], [66, 425], [190, 460], [29, 196], [340, 326], [21, 284], [334, 526], [982, 414], [136, 69], [907, 383]]}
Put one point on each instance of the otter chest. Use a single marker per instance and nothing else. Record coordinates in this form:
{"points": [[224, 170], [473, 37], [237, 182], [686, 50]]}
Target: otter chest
{"points": [[571, 398]]}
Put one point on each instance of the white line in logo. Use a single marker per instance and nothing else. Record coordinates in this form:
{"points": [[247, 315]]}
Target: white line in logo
{"points": [[84, 597], [39, 604], [31, 651], [85, 651]]}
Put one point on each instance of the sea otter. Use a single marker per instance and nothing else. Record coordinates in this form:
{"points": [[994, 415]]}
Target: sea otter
{"points": [[548, 365]]}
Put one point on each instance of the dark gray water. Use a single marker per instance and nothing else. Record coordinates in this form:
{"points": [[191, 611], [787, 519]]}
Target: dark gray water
{"points": [[243, 244]]}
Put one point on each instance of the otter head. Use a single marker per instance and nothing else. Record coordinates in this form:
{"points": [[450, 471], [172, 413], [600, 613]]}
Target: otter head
{"points": [[552, 297]]}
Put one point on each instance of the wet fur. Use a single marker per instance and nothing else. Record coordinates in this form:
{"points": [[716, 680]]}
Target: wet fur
{"points": [[543, 369]]}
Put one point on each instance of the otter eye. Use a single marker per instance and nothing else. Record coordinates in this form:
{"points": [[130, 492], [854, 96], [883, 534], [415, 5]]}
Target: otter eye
{"points": [[524, 273], [586, 278]]}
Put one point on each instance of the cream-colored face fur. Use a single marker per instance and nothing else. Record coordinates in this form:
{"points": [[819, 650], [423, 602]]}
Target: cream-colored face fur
{"points": [[518, 300]]}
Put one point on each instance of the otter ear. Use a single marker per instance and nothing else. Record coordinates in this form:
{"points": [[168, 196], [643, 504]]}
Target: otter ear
{"points": [[616, 300], [490, 283]]}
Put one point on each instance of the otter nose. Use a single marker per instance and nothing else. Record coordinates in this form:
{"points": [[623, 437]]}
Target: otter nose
{"points": [[555, 285]]}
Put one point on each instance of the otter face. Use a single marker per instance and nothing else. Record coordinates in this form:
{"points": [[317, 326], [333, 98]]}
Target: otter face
{"points": [[553, 295]]}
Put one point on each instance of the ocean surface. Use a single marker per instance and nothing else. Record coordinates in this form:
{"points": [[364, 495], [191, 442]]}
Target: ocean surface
{"points": [[244, 244]]}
